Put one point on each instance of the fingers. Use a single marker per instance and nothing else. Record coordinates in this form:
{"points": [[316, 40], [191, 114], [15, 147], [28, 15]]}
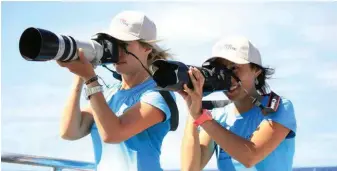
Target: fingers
{"points": [[81, 55], [197, 79], [200, 76], [193, 78], [188, 90], [62, 64], [183, 93], [197, 74]]}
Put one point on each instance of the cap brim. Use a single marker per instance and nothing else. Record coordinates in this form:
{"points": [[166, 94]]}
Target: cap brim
{"points": [[123, 36], [230, 57], [120, 35]]}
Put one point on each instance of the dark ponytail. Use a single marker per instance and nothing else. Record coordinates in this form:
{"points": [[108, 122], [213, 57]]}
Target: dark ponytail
{"points": [[266, 73]]}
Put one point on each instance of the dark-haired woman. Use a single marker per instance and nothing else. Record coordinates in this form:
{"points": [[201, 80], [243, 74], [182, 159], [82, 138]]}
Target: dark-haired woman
{"points": [[243, 136]]}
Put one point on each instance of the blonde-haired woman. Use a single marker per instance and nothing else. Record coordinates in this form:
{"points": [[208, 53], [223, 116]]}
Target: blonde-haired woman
{"points": [[131, 113]]}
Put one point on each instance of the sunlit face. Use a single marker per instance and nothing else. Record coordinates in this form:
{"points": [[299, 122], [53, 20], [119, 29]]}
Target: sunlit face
{"points": [[247, 76], [127, 63]]}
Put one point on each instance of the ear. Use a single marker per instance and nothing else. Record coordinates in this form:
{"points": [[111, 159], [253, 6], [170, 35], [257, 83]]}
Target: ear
{"points": [[257, 72], [148, 50]]}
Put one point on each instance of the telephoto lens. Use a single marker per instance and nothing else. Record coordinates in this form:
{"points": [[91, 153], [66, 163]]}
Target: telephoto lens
{"points": [[42, 45]]}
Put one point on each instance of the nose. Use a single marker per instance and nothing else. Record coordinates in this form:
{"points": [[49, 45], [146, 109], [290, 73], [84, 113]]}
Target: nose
{"points": [[235, 80], [122, 52]]}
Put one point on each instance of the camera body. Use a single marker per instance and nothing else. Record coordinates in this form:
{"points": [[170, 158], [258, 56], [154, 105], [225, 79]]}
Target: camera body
{"points": [[42, 45], [172, 75]]}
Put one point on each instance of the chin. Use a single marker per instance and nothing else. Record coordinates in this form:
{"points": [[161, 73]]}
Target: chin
{"points": [[231, 98], [122, 69], [125, 70], [235, 96]]}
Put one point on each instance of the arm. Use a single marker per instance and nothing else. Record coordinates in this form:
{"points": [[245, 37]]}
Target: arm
{"points": [[197, 148], [271, 132], [113, 129], [249, 152], [75, 123]]}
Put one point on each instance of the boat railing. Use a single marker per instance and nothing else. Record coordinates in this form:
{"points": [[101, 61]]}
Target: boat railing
{"points": [[56, 164]]}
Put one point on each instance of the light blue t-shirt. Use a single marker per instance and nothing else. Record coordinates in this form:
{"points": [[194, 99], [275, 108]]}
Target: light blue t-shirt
{"points": [[281, 159], [142, 151]]}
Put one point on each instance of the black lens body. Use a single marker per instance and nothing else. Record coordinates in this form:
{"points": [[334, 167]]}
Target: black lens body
{"points": [[172, 75], [38, 44]]}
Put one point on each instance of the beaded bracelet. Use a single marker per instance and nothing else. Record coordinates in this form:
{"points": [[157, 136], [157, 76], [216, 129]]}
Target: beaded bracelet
{"points": [[92, 79]]}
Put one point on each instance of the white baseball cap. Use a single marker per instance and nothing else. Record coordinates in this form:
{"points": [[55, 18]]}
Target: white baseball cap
{"points": [[237, 49], [133, 25]]}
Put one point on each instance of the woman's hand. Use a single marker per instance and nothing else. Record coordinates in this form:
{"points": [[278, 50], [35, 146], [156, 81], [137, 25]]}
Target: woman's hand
{"points": [[193, 97], [81, 67]]}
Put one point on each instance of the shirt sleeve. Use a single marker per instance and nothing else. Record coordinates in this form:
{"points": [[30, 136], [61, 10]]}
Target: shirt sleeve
{"points": [[219, 114], [154, 98], [111, 90], [285, 116]]}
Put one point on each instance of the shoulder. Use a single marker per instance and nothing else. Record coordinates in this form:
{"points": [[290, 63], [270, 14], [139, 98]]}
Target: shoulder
{"points": [[285, 115], [159, 100], [286, 108], [153, 93], [286, 103]]}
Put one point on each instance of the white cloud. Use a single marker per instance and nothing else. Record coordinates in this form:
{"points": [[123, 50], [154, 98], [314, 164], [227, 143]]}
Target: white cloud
{"points": [[279, 17], [325, 34], [188, 23], [328, 77], [43, 140], [319, 146], [84, 33], [292, 61], [36, 100], [202, 22]]}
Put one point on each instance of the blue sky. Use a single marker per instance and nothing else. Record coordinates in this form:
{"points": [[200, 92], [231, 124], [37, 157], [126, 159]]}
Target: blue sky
{"points": [[298, 39]]}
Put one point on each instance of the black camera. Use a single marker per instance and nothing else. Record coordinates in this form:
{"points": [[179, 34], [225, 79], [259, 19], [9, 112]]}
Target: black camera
{"points": [[42, 45], [172, 75]]}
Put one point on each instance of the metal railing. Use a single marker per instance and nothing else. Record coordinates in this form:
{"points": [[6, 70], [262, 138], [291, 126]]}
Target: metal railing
{"points": [[60, 164], [55, 164]]}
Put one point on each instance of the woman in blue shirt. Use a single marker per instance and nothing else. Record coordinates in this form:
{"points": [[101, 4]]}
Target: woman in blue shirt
{"points": [[130, 120], [243, 137]]}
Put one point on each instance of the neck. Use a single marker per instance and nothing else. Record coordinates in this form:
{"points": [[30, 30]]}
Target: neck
{"points": [[246, 104], [129, 81]]}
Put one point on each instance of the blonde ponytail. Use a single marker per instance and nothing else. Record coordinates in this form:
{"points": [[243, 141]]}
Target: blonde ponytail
{"points": [[156, 53]]}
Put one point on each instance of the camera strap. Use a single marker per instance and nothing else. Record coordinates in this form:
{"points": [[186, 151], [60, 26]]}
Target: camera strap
{"points": [[174, 120], [271, 107], [114, 73]]}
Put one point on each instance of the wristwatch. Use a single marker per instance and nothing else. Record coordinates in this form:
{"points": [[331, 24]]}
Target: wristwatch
{"points": [[92, 90], [205, 116]]}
